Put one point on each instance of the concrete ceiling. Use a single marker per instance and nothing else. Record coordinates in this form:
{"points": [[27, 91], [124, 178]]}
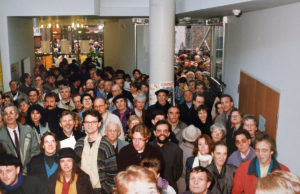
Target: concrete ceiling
{"points": [[226, 10]]}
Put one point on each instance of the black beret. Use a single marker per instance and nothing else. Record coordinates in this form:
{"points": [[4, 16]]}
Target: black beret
{"points": [[118, 97], [162, 90], [8, 160]]}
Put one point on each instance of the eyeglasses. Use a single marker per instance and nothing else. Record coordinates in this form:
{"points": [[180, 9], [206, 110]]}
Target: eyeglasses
{"points": [[90, 123], [240, 141], [9, 113]]}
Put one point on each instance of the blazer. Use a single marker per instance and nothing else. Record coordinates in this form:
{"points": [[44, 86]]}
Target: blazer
{"points": [[29, 146], [43, 129]]}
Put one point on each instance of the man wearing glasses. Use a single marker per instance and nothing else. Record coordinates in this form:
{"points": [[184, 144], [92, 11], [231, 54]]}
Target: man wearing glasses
{"points": [[262, 165], [18, 140], [245, 152], [98, 157]]}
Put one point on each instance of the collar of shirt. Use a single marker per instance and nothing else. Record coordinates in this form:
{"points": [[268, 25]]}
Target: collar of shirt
{"points": [[244, 156], [11, 133]]}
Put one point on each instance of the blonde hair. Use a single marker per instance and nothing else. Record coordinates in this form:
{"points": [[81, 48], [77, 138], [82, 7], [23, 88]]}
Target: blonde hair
{"points": [[141, 128], [278, 182], [134, 117], [133, 174]]}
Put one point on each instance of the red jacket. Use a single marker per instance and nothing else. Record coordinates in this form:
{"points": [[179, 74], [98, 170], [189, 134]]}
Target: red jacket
{"points": [[245, 176]]}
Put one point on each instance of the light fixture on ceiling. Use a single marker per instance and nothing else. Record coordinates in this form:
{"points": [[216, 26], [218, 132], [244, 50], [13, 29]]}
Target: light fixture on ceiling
{"points": [[237, 12]]}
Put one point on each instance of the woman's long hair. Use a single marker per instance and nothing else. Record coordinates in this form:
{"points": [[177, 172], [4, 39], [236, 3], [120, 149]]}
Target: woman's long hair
{"points": [[41, 110], [75, 169]]}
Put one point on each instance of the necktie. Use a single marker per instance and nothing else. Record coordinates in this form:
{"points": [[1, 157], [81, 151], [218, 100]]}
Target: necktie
{"points": [[17, 142]]}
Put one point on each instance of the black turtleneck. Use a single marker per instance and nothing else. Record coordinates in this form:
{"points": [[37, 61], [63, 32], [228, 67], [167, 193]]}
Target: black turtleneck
{"points": [[50, 160]]}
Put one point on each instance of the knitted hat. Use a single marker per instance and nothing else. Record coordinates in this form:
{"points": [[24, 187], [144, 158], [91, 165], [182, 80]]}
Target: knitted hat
{"points": [[191, 133]]}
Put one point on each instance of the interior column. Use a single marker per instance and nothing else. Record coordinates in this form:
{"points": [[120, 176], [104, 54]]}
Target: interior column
{"points": [[162, 37]]}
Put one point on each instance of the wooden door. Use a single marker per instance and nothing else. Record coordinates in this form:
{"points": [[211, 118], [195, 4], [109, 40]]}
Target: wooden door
{"points": [[258, 99]]}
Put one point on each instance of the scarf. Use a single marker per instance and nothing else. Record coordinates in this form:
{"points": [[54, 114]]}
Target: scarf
{"points": [[258, 168], [162, 183], [202, 160], [53, 168], [59, 186], [18, 184], [89, 160]]}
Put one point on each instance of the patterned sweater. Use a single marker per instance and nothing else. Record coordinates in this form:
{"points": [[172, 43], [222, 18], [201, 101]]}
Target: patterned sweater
{"points": [[106, 162]]}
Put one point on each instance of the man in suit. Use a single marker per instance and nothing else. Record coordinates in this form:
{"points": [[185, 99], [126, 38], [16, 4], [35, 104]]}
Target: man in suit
{"points": [[17, 139], [186, 109], [227, 105], [14, 92]]}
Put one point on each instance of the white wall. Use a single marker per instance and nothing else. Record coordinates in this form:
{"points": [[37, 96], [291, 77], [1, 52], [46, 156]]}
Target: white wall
{"points": [[119, 44], [127, 56], [4, 52], [21, 43], [128, 8], [183, 6], [48, 8], [265, 44], [105, 8], [112, 44], [143, 48]]}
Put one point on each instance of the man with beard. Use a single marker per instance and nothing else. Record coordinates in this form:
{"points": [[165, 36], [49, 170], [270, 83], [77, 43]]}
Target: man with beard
{"points": [[67, 135], [53, 113], [172, 154]]}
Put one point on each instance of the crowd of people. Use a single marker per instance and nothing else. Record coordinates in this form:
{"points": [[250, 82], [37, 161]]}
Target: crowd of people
{"points": [[76, 129]]}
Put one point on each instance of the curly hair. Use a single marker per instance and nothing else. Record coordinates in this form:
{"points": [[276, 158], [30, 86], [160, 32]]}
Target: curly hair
{"points": [[38, 108]]}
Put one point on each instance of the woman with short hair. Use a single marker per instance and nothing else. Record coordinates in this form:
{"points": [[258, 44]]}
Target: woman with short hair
{"points": [[23, 105], [218, 132], [139, 106], [136, 179]]}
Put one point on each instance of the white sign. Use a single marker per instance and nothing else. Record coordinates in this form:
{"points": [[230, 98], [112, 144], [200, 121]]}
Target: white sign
{"points": [[167, 85]]}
